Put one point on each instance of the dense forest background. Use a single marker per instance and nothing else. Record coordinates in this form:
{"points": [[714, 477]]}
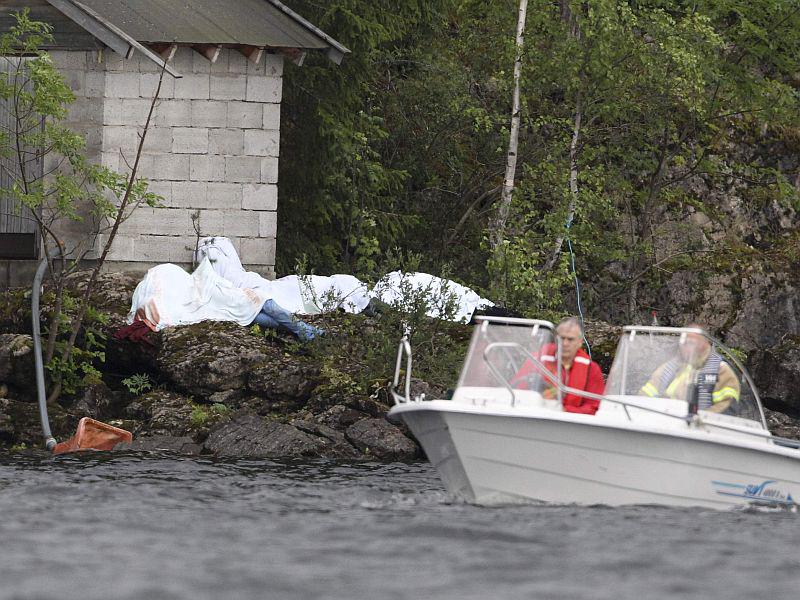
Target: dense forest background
{"points": [[658, 151]]}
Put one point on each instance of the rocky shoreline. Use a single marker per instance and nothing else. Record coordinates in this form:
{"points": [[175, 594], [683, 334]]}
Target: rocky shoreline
{"points": [[220, 389], [215, 388]]}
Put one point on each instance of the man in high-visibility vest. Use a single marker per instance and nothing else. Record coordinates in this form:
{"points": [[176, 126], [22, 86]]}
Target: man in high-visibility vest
{"points": [[717, 383]]}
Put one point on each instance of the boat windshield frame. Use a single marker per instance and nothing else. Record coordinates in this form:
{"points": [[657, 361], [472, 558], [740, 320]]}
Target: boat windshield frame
{"points": [[404, 353], [482, 324], [632, 330]]}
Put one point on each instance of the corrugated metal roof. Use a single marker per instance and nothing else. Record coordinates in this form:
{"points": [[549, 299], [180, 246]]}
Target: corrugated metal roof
{"points": [[250, 22]]}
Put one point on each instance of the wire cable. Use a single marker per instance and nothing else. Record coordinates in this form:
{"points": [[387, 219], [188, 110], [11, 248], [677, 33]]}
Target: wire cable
{"points": [[577, 289]]}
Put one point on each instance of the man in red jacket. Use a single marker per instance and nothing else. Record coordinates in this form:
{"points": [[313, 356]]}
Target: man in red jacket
{"points": [[577, 369]]}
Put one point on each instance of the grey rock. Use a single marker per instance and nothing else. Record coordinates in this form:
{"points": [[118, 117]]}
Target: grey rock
{"points": [[209, 357], [320, 403], [96, 401], [16, 361], [284, 381], [20, 424], [782, 425], [229, 398], [162, 413], [381, 439], [339, 417], [249, 435], [112, 290], [163, 443], [336, 443], [767, 311], [776, 373]]}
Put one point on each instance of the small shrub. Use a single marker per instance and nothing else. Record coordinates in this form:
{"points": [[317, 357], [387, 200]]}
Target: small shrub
{"points": [[204, 415], [80, 369], [358, 354], [138, 384]]}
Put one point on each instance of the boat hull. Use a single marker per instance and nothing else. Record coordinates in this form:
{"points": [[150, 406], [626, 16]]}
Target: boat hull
{"points": [[490, 457]]}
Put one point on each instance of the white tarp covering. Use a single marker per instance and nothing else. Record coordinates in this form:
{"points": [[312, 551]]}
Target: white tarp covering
{"points": [[446, 299], [311, 294], [169, 296]]}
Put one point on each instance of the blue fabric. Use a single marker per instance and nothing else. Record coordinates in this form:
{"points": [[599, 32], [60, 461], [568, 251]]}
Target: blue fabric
{"points": [[274, 316]]}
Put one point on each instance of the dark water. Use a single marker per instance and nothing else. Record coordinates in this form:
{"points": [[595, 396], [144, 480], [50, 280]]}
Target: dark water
{"points": [[153, 527]]}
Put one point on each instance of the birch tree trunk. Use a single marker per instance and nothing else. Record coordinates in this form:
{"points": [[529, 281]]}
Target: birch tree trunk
{"points": [[573, 181], [575, 32], [498, 231]]}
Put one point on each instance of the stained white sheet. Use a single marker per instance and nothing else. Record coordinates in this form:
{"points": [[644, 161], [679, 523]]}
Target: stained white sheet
{"points": [[307, 295], [169, 296], [313, 294]]}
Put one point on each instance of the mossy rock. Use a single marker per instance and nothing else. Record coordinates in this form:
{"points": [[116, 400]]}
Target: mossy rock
{"points": [[209, 357]]}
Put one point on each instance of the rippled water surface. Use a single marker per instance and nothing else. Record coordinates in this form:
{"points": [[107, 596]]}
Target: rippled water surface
{"points": [[154, 527]]}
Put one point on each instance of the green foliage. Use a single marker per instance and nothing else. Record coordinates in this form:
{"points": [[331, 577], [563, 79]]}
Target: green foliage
{"points": [[289, 343], [358, 354], [344, 192], [138, 384], [82, 367], [204, 415], [73, 189], [680, 104]]}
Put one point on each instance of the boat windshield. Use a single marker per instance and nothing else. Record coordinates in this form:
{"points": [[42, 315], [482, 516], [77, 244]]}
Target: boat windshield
{"points": [[501, 350], [682, 364]]}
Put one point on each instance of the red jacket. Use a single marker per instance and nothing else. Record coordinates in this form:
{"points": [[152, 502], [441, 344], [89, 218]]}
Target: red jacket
{"points": [[584, 374]]}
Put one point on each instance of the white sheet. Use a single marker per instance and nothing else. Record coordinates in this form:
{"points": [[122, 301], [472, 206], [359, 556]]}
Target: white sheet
{"points": [[307, 295], [169, 296], [313, 294], [399, 289]]}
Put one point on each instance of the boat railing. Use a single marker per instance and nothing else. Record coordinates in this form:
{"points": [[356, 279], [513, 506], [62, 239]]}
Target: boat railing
{"points": [[403, 352], [552, 378], [565, 389]]}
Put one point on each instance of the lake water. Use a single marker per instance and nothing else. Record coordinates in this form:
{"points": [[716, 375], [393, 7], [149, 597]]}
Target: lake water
{"points": [[126, 526]]}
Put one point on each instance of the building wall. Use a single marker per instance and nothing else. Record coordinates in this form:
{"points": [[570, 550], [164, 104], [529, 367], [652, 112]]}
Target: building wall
{"points": [[212, 149]]}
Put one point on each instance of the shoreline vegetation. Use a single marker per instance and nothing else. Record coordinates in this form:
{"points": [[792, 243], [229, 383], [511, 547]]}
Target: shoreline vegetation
{"points": [[217, 388], [657, 168], [223, 389]]}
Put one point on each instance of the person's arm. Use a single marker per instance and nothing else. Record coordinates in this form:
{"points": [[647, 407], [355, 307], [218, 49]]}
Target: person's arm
{"points": [[651, 387], [596, 383], [727, 390], [529, 377]]}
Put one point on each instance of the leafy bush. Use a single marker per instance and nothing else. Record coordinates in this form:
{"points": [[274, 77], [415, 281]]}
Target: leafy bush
{"points": [[81, 366], [138, 384], [358, 353], [203, 415]]}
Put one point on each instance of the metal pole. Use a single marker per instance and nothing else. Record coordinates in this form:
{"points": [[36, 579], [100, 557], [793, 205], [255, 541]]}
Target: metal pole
{"points": [[49, 440]]}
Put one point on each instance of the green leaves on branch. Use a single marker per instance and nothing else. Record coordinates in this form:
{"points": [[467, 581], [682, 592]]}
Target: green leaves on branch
{"points": [[48, 173], [651, 111]]}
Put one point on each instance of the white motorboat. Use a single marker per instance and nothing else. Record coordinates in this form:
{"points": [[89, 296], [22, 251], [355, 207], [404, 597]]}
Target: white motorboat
{"points": [[502, 438]]}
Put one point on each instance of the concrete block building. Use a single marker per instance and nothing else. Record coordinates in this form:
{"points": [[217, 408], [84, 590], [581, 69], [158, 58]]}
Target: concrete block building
{"points": [[213, 147]]}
